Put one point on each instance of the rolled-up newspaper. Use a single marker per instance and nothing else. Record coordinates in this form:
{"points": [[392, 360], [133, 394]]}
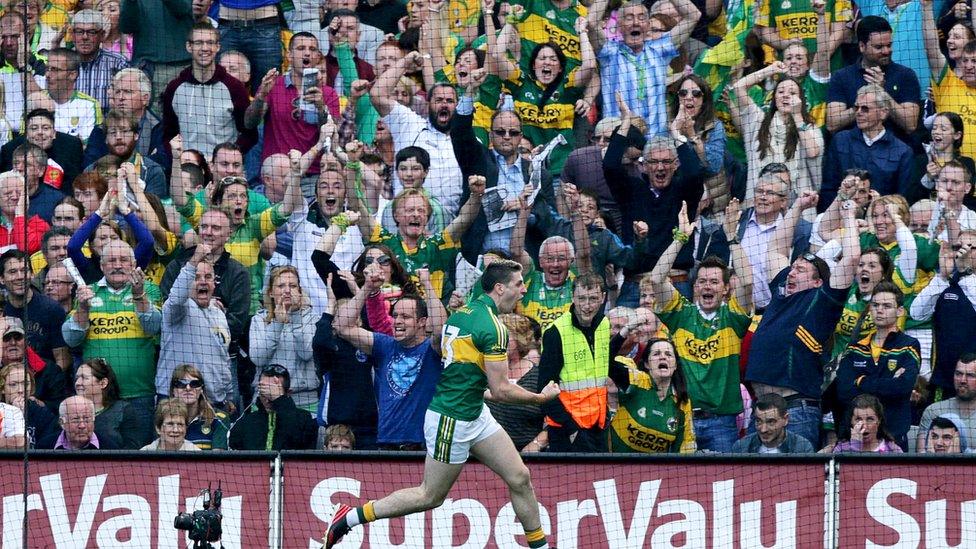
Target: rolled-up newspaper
{"points": [[936, 219], [73, 271], [535, 178]]}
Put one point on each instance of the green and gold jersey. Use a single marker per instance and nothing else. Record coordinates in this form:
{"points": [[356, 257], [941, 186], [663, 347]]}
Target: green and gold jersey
{"points": [[472, 336], [542, 303], [646, 423], [542, 124], [437, 253], [853, 308], [709, 349], [795, 19], [115, 334], [543, 22], [928, 262]]}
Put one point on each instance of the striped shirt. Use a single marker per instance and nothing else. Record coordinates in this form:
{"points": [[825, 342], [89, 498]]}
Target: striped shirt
{"points": [[95, 76], [640, 78]]}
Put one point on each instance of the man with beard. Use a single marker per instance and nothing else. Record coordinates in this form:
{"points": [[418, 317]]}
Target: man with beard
{"points": [[875, 67], [287, 125], [195, 330], [708, 334], [44, 315], [963, 405], [771, 437], [433, 135], [12, 206], [785, 356], [98, 67], [117, 319], [131, 90], [122, 132], [64, 152], [205, 104], [654, 198]]}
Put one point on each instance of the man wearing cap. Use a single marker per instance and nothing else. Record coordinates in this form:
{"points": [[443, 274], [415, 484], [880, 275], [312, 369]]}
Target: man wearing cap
{"points": [[273, 422], [49, 381], [807, 299]]}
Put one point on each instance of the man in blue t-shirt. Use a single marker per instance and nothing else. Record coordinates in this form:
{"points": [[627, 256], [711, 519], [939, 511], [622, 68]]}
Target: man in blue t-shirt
{"points": [[42, 315], [408, 364], [807, 299]]}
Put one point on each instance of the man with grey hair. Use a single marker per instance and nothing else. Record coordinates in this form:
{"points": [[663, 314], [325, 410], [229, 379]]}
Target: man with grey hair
{"points": [[98, 66], [130, 93], [237, 64], [117, 319], [76, 415], [13, 207], [869, 146], [655, 197], [549, 287]]}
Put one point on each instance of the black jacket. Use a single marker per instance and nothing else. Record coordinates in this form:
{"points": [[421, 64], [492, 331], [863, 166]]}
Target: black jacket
{"points": [[294, 429], [474, 158], [658, 209]]}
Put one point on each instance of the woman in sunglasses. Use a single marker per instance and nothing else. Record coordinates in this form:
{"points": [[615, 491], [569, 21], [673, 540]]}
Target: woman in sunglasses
{"points": [[282, 333], [207, 427], [785, 133], [545, 89], [396, 281], [694, 122], [95, 380]]}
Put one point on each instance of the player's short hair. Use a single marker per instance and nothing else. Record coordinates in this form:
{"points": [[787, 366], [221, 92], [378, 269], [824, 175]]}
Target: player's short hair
{"points": [[499, 272]]}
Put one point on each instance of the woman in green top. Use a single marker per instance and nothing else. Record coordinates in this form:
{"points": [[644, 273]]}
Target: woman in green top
{"points": [[655, 413], [544, 93]]}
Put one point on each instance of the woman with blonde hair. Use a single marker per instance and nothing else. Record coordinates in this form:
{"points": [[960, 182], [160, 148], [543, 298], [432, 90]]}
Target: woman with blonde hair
{"points": [[207, 427], [282, 332]]}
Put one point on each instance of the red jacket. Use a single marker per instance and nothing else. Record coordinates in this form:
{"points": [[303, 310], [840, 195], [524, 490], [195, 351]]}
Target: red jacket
{"points": [[14, 236]]}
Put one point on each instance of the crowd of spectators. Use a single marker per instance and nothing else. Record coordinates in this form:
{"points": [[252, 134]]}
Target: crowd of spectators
{"points": [[242, 224]]}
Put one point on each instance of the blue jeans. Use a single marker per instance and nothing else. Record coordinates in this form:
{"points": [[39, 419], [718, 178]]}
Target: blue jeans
{"points": [[260, 43], [717, 433], [805, 421]]}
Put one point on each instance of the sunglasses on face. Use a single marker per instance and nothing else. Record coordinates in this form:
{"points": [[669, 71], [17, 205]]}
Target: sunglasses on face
{"points": [[187, 384], [274, 370], [502, 132], [697, 94], [382, 260]]}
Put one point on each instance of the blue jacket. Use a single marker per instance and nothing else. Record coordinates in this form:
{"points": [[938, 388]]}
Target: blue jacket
{"points": [[889, 160]]}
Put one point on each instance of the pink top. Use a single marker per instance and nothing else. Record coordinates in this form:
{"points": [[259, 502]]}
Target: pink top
{"points": [[282, 132]]}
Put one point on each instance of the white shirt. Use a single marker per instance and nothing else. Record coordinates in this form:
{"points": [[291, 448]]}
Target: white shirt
{"points": [[11, 420], [923, 307], [755, 242], [306, 238], [444, 180], [872, 140]]}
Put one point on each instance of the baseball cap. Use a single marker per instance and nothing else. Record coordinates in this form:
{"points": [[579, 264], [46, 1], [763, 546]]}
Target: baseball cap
{"points": [[14, 326]]}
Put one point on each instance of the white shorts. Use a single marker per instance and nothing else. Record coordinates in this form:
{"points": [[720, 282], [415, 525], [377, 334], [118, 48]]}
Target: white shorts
{"points": [[450, 440]]}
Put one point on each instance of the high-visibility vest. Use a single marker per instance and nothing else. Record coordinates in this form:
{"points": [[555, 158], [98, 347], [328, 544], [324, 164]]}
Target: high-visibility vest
{"points": [[583, 379]]}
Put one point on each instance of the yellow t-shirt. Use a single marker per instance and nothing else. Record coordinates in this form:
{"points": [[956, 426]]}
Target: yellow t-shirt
{"points": [[952, 94]]}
